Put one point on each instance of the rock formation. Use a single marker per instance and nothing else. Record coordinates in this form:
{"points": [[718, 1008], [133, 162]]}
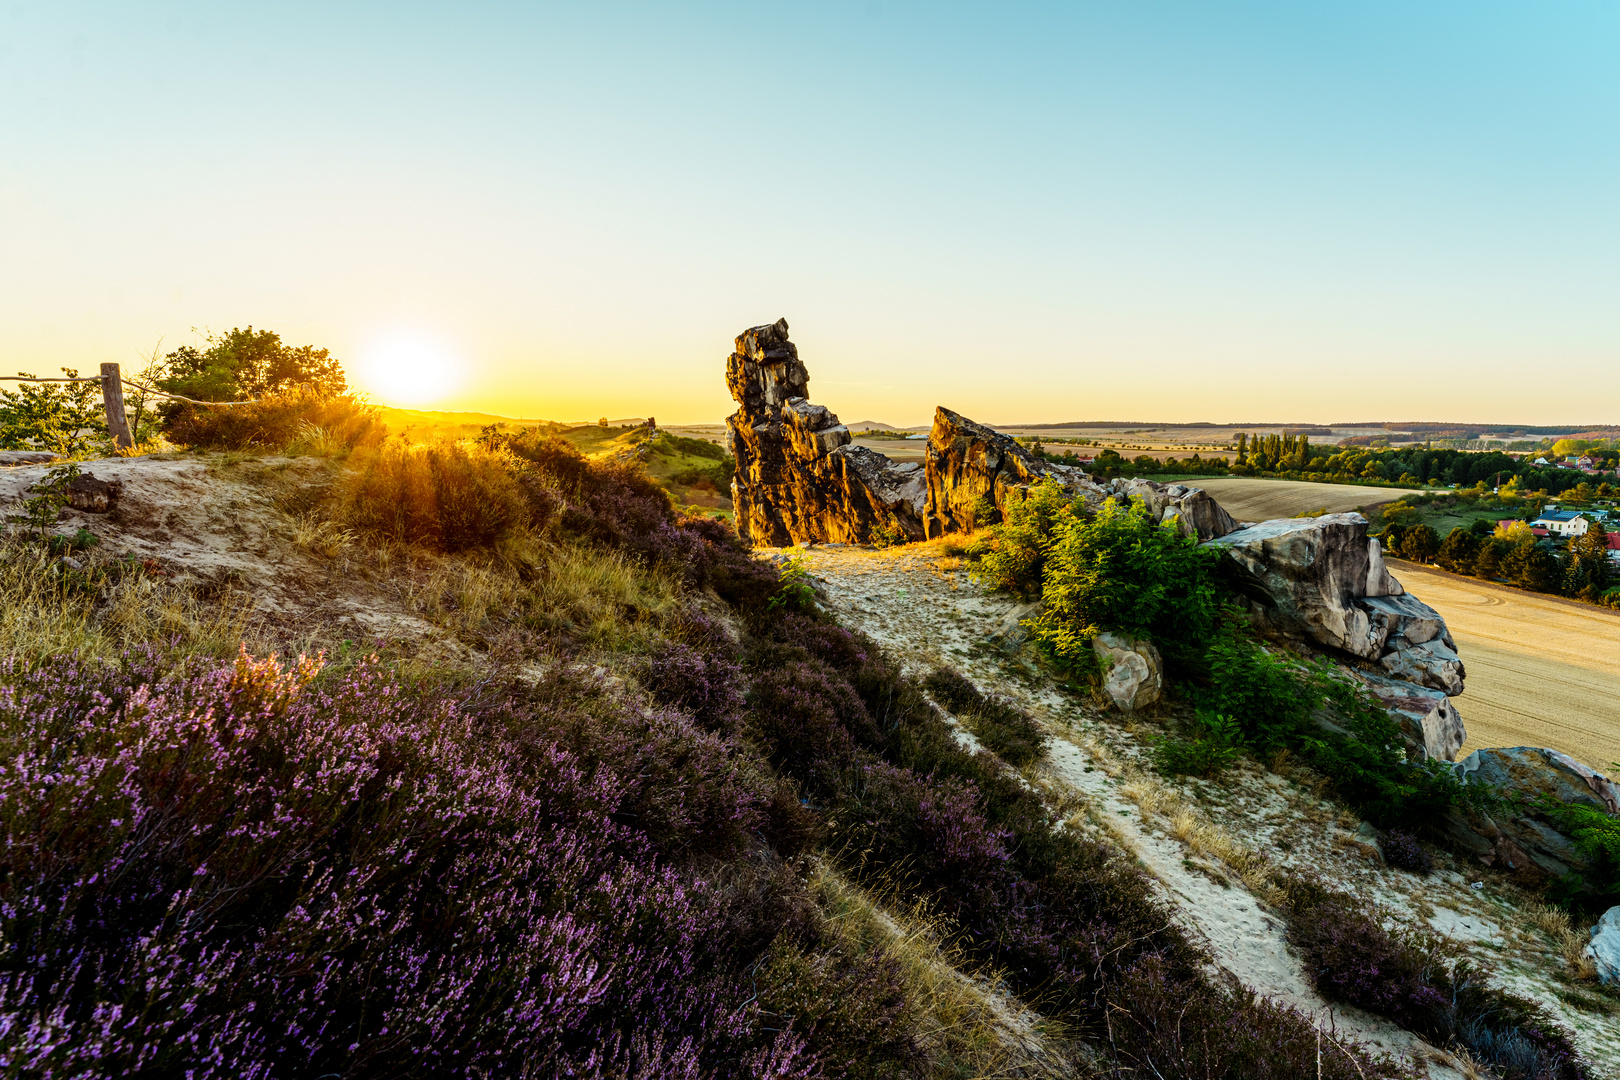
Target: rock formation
{"points": [[1196, 512], [798, 478], [1133, 673], [1323, 580], [1604, 949], [970, 465], [1514, 834]]}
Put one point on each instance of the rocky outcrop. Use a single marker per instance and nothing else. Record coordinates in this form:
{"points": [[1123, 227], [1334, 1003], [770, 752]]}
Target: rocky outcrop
{"points": [[1195, 511], [1515, 834], [1133, 673], [1322, 580], [1604, 948], [970, 466], [86, 493], [798, 477], [1430, 723]]}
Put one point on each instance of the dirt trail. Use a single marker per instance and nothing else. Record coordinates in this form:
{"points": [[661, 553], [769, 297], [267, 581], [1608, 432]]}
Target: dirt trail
{"points": [[924, 608], [1542, 671]]}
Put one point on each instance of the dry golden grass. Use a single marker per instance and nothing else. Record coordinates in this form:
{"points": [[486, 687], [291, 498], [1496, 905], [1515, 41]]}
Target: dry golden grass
{"points": [[601, 598], [964, 1027], [103, 610]]}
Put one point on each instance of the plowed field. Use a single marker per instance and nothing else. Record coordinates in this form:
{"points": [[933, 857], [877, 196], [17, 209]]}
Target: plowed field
{"points": [[1541, 671], [1248, 499]]}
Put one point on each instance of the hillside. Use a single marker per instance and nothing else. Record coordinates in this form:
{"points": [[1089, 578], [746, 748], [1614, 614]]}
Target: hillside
{"points": [[708, 692]]}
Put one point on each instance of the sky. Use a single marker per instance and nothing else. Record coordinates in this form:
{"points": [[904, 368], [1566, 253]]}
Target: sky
{"points": [[1233, 212]]}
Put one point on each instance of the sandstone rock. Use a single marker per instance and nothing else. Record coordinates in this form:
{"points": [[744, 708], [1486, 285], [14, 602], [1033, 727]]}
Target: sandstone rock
{"points": [[1518, 837], [1322, 580], [93, 496], [1012, 633], [25, 457], [1196, 513], [968, 462], [1134, 672], [1530, 771], [1604, 949], [1430, 723], [798, 477]]}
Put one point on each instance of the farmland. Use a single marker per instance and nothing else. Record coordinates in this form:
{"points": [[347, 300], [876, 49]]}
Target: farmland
{"points": [[1250, 499], [1542, 671]]}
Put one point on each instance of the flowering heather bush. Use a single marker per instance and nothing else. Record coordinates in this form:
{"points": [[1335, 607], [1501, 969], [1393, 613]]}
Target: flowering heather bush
{"points": [[1402, 851], [706, 684], [1069, 920], [244, 871], [997, 722], [1351, 957]]}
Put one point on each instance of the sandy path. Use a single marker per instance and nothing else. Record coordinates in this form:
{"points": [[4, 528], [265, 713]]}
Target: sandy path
{"points": [[1542, 671], [1248, 499]]}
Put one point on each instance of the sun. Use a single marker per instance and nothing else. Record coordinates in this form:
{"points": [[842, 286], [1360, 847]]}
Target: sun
{"points": [[408, 369]]}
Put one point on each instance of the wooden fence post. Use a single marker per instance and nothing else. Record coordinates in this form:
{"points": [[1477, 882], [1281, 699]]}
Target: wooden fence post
{"points": [[112, 395]]}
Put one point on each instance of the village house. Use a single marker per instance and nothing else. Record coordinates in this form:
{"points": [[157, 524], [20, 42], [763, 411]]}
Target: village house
{"points": [[1565, 523]]}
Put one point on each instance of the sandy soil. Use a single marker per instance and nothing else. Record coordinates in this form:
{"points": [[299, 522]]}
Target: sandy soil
{"points": [[1249, 499], [1542, 671], [926, 609]]}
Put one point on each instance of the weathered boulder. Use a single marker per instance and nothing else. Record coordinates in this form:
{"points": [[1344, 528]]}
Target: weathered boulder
{"points": [[798, 477], [1429, 722], [1195, 511], [26, 457], [1604, 948], [91, 495], [1516, 835], [1323, 580], [969, 463], [1011, 634], [1133, 670]]}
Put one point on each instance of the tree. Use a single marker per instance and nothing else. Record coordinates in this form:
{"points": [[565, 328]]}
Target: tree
{"points": [[1488, 563], [248, 364], [603, 423], [63, 418], [1420, 543], [1531, 566], [1458, 551], [1481, 527]]}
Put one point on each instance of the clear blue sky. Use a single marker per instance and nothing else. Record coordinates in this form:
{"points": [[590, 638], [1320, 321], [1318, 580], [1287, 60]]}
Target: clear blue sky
{"points": [[1134, 210]]}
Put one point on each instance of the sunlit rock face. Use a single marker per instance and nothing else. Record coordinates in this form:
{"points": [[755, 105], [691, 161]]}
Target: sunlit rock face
{"points": [[798, 477], [972, 467]]}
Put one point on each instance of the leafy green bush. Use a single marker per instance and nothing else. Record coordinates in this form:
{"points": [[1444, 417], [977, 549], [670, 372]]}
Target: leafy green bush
{"points": [[1121, 570], [1012, 553], [62, 418], [248, 364], [1597, 836], [1215, 746]]}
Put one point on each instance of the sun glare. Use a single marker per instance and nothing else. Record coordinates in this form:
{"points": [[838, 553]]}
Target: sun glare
{"points": [[408, 370]]}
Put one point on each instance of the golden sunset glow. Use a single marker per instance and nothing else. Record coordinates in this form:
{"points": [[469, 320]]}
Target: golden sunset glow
{"points": [[407, 369]]}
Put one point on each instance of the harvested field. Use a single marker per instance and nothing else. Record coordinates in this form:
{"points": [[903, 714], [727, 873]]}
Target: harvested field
{"points": [[1542, 671], [1249, 499]]}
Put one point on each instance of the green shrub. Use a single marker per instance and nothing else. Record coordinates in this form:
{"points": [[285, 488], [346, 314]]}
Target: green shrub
{"points": [[62, 418], [1215, 746], [1121, 570], [1012, 553], [1597, 836]]}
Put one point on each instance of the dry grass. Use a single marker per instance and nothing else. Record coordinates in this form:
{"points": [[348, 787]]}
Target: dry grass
{"points": [[601, 598], [965, 1026], [321, 537], [106, 609]]}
